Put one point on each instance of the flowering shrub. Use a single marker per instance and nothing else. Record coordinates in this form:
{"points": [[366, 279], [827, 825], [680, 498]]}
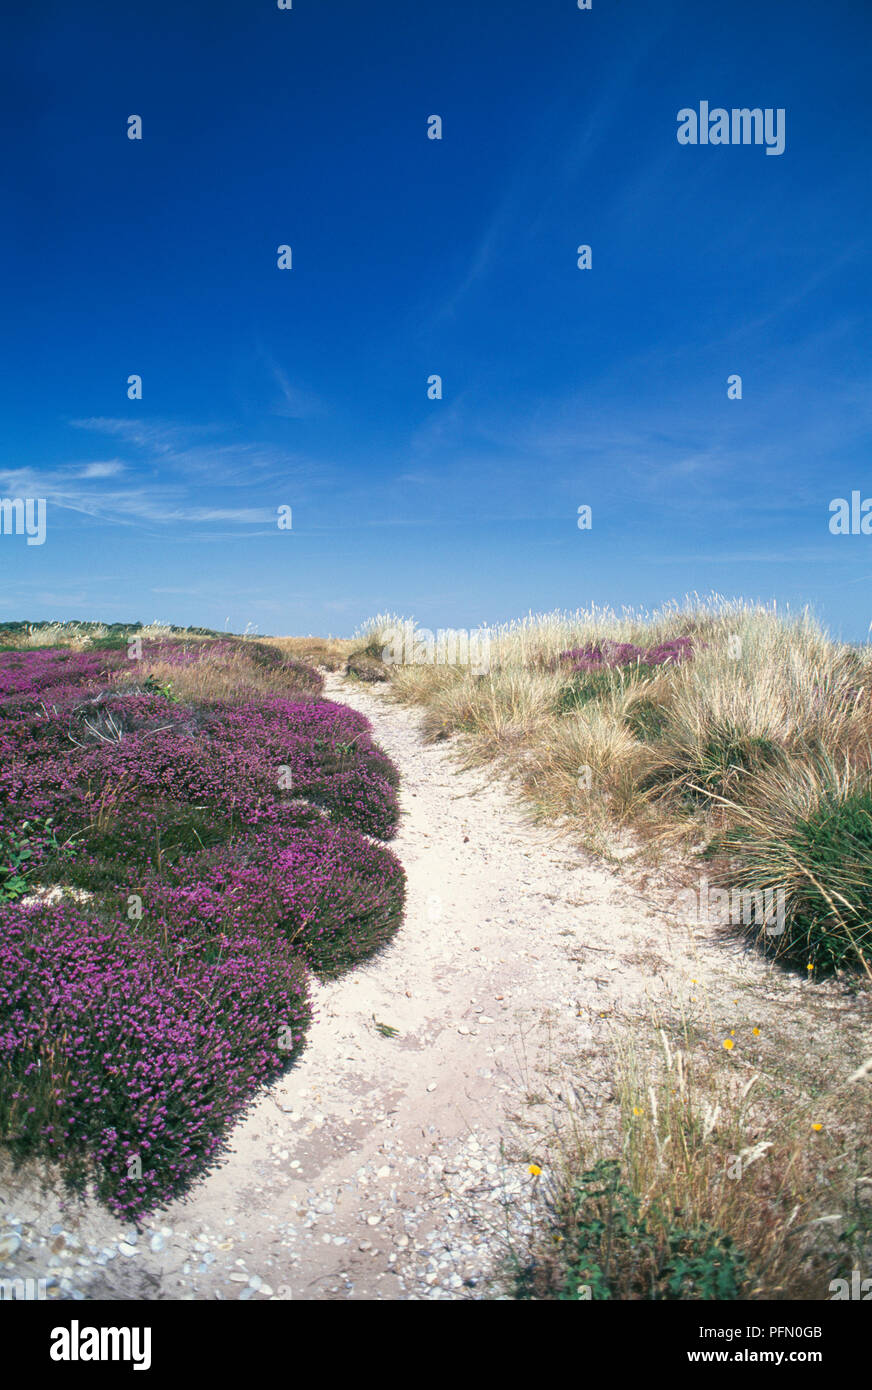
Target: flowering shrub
{"points": [[326, 888], [242, 829], [676, 649], [54, 675], [243, 761], [328, 751], [113, 1049], [46, 676], [593, 657]]}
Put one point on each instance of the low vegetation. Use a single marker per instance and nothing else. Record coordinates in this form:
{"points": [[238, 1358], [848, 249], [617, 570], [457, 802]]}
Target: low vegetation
{"points": [[187, 828], [709, 1177]]}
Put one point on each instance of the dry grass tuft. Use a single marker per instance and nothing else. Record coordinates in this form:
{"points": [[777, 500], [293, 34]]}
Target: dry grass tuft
{"points": [[233, 675], [75, 635], [330, 653], [714, 1180]]}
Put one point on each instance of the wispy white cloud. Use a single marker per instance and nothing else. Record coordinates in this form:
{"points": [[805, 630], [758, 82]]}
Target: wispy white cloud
{"points": [[199, 451], [159, 504], [295, 402], [109, 469], [546, 168], [177, 473]]}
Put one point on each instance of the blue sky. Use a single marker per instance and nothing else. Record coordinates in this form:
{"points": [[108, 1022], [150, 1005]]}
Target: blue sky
{"points": [[411, 257]]}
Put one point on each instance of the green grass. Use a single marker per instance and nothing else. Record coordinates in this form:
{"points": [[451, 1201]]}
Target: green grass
{"points": [[646, 719], [823, 860]]}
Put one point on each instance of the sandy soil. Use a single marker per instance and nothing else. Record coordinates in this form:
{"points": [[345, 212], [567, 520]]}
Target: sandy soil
{"points": [[388, 1166]]}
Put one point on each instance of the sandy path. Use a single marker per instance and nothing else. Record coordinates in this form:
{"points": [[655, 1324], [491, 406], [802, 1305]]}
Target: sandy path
{"points": [[373, 1170]]}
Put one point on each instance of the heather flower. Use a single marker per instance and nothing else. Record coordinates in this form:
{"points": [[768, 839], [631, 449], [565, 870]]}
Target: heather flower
{"points": [[326, 888], [149, 1037], [609, 655], [113, 1045]]}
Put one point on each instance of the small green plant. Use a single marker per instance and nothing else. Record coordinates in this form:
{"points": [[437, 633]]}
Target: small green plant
{"points": [[832, 914], [578, 692], [155, 688], [606, 1215], [16, 849], [823, 861], [343, 749], [719, 760], [611, 1248], [728, 754], [14, 854]]}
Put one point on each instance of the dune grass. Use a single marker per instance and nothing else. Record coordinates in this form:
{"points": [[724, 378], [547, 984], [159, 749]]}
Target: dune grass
{"points": [[762, 730]]}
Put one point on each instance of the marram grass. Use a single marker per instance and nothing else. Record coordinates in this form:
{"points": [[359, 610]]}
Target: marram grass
{"points": [[715, 721]]}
